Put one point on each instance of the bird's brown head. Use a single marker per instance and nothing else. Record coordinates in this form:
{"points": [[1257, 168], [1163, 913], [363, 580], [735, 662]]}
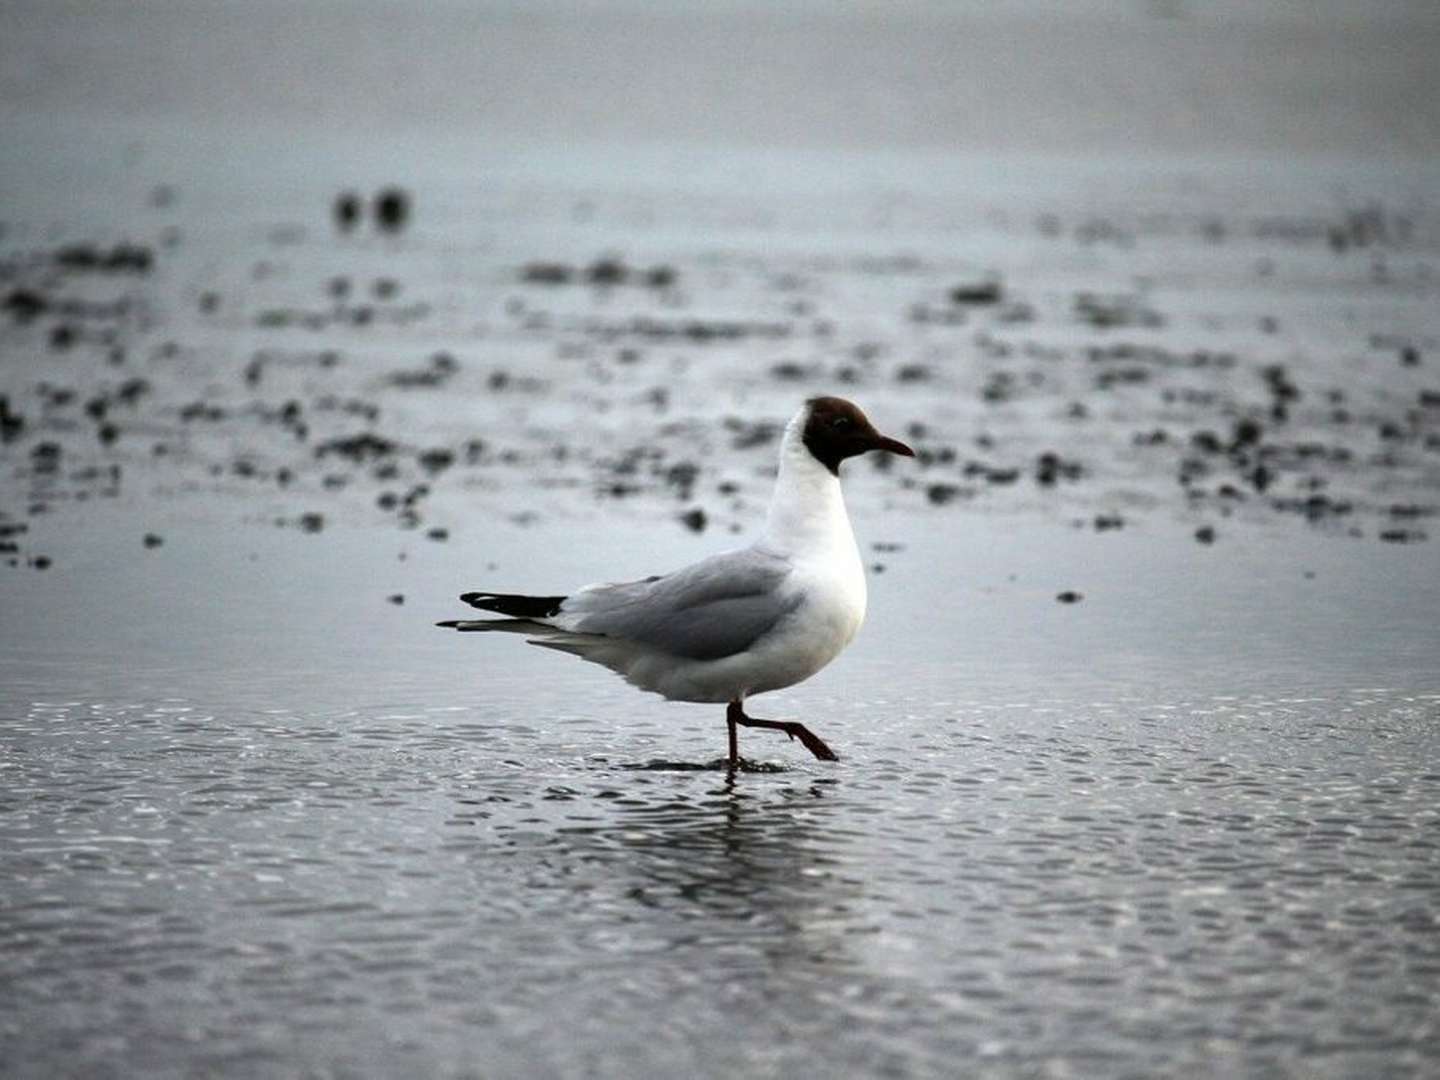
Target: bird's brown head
{"points": [[836, 429]]}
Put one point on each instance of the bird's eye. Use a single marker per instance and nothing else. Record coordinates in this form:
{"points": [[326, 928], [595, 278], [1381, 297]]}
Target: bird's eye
{"points": [[840, 423]]}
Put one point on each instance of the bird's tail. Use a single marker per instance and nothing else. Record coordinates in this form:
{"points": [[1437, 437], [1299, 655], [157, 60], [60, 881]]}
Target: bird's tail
{"points": [[509, 626], [526, 613], [515, 605]]}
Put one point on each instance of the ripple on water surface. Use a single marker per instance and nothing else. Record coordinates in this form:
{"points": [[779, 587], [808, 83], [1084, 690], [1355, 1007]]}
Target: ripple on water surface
{"points": [[1102, 887]]}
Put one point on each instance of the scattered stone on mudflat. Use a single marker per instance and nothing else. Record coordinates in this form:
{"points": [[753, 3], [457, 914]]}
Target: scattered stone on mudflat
{"points": [[24, 305], [1402, 536], [121, 259], [1107, 312], [365, 446], [547, 273], [1051, 468], [1106, 522], [1205, 534], [392, 209], [438, 534], [11, 423], [436, 460], [396, 598], [200, 410], [751, 433], [992, 474], [152, 540], [1069, 596], [694, 519], [987, 291], [346, 210], [790, 371], [940, 494], [311, 522], [41, 562], [436, 372], [45, 457], [607, 270]]}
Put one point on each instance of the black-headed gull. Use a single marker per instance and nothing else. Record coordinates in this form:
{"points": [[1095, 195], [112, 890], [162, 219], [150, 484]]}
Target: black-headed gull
{"points": [[741, 622]]}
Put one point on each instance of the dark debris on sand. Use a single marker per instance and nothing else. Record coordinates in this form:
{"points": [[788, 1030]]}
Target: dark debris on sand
{"points": [[1017, 394]]}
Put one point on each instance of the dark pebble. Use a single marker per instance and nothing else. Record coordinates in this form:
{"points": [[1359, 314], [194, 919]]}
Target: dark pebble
{"points": [[437, 460], [392, 209], [11, 423], [346, 210], [438, 534], [1205, 534], [153, 540], [362, 447], [1050, 467], [980, 292], [940, 494], [25, 304], [607, 271], [396, 598], [695, 520], [311, 522], [1069, 596], [789, 371], [546, 273]]}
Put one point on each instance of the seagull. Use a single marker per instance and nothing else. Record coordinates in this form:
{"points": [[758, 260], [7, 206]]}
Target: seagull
{"points": [[741, 622]]}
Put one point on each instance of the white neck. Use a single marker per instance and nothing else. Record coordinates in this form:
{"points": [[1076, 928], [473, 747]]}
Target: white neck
{"points": [[807, 512]]}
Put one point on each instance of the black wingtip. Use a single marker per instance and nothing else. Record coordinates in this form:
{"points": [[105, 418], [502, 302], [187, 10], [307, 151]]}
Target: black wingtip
{"points": [[515, 605]]}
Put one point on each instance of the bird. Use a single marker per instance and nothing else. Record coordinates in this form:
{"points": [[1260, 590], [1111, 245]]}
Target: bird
{"points": [[738, 623]]}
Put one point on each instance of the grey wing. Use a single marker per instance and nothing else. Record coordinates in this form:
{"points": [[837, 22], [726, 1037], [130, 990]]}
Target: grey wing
{"points": [[712, 609]]}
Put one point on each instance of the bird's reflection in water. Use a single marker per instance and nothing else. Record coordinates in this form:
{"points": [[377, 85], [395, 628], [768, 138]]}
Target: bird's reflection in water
{"points": [[750, 861]]}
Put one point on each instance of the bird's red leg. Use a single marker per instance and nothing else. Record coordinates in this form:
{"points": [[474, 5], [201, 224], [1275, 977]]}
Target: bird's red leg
{"points": [[730, 711], [735, 714]]}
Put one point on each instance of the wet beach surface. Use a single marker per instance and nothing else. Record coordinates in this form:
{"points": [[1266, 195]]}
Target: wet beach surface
{"points": [[1138, 746]]}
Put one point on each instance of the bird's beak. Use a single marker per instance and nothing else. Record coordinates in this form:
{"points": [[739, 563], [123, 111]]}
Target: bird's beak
{"points": [[894, 446]]}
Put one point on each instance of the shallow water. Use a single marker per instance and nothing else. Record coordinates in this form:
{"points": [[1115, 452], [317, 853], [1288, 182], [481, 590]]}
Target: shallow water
{"points": [[232, 839], [1244, 884]]}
